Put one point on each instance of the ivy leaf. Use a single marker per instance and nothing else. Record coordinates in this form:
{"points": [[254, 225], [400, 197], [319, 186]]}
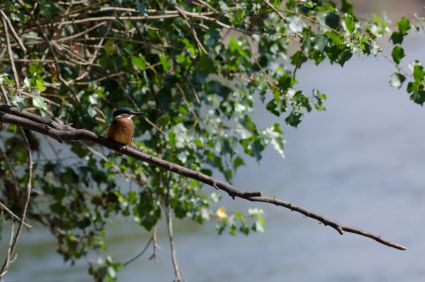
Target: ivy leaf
{"points": [[398, 54]]}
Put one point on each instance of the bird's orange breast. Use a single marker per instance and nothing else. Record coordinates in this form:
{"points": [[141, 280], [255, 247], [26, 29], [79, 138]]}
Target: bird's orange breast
{"points": [[121, 130]]}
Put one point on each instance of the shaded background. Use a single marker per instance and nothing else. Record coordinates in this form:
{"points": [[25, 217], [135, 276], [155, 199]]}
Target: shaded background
{"points": [[360, 162]]}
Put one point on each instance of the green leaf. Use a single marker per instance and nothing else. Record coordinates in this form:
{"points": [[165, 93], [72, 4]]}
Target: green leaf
{"points": [[397, 37], [417, 92], [320, 98], [346, 7], [349, 23], [235, 47], [298, 58], [332, 20], [418, 72], [109, 47], [294, 118], [39, 85], [237, 162], [403, 25], [397, 54], [273, 108], [139, 62], [164, 61]]}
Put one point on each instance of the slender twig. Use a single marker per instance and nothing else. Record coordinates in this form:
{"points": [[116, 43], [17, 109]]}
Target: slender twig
{"points": [[10, 53], [192, 29], [12, 29], [4, 94], [3, 206], [40, 61], [275, 9], [80, 33], [66, 133], [113, 18], [139, 254], [6, 262], [109, 76], [93, 58]]}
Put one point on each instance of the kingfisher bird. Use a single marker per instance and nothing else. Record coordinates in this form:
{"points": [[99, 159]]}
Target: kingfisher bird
{"points": [[122, 127]]}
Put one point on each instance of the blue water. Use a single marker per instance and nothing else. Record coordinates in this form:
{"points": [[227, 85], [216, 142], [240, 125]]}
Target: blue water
{"points": [[360, 162]]}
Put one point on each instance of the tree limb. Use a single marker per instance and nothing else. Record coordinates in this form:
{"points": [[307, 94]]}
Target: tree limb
{"points": [[63, 132]]}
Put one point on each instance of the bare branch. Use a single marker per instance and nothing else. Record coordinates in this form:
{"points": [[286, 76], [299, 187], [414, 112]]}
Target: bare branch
{"points": [[66, 133]]}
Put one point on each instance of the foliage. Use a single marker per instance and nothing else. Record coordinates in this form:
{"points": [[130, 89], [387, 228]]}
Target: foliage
{"points": [[197, 68]]}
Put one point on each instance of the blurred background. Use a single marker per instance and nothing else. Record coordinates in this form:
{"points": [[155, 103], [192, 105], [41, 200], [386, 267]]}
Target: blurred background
{"points": [[361, 162]]}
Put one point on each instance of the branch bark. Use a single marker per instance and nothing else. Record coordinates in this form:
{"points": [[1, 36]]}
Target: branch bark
{"points": [[63, 132]]}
